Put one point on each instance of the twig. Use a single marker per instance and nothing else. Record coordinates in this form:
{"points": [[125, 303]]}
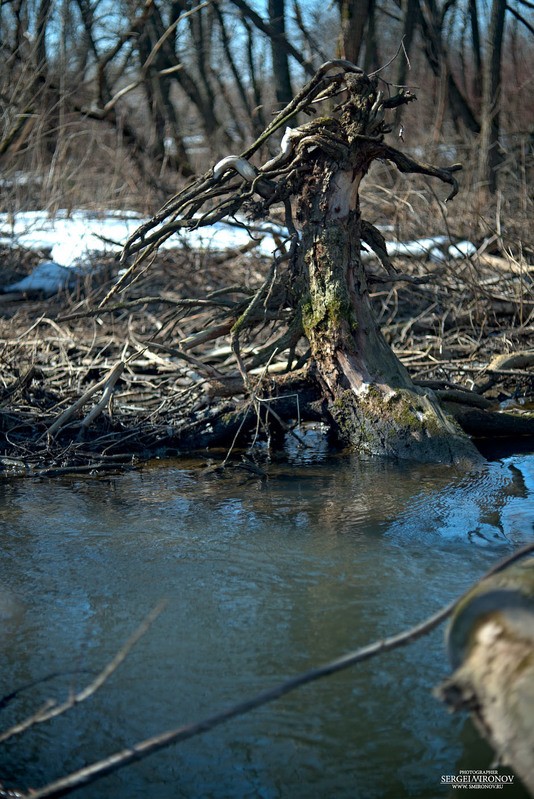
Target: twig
{"points": [[127, 305], [5, 700], [51, 710], [119, 760]]}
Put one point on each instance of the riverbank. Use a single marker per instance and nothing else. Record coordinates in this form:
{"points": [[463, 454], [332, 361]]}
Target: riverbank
{"points": [[88, 387]]}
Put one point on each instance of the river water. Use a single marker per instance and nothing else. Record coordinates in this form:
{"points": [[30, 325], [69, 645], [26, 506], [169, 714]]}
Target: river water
{"points": [[263, 579]]}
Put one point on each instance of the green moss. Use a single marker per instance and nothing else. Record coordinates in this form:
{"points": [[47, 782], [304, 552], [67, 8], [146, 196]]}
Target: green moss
{"points": [[326, 313], [343, 411], [238, 324]]}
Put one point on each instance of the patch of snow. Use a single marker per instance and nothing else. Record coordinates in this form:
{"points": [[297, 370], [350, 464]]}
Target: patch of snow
{"points": [[75, 237], [437, 256], [416, 248], [48, 277], [20, 178], [462, 249]]}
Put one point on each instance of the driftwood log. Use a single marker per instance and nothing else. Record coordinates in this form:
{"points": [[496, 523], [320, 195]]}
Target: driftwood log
{"points": [[491, 648]]}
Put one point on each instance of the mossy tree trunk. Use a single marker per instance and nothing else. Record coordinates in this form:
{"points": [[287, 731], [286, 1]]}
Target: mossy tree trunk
{"points": [[317, 286], [371, 398]]}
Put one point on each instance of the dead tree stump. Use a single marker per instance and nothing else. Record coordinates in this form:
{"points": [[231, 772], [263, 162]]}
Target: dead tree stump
{"points": [[317, 285]]}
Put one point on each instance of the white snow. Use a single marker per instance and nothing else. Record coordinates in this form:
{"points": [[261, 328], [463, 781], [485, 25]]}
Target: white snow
{"points": [[417, 248], [462, 249], [47, 277], [73, 239]]}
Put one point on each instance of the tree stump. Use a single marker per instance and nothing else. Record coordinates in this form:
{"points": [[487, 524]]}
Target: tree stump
{"points": [[317, 285], [374, 405]]}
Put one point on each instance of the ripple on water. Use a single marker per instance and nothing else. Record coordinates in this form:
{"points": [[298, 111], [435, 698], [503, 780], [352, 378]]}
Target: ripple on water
{"points": [[264, 579]]}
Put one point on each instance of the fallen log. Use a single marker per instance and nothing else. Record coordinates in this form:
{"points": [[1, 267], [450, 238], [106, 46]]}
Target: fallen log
{"points": [[480, 423], [491, 647]]}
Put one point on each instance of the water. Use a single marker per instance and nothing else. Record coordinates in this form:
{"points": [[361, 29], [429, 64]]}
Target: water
{"points": [[263, 579]]}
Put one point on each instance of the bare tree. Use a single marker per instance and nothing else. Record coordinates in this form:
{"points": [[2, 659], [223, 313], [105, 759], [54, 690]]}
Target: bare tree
{"points": [[282, 80], [354, 18]]}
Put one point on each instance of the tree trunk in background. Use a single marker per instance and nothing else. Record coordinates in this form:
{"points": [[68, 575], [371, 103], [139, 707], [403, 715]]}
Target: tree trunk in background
{"points": [[477, 52], [282, 80], [372, 54], [410, 10], [490, 156], [354, 14], [431, 21], [43, 14]]}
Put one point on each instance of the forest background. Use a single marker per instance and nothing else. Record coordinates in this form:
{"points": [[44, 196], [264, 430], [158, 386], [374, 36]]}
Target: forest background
{"points": [[115, 104]]}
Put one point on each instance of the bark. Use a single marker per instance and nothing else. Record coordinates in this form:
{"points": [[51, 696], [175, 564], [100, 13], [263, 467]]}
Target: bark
{"points": [[371, 398], [489, 153], [491, 646]]}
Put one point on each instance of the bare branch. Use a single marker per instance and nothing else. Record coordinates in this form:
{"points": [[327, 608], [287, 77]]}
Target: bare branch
{"points": [[139, 751], [408, 165], [521, 18], [266, 28], [51, 710]]}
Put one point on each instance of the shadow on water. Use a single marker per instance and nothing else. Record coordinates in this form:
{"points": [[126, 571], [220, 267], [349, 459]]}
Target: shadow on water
{"points": [[264, 579]]}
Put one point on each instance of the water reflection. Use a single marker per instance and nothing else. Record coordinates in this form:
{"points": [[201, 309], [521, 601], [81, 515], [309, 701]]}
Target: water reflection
{"points": [[264, 579]]}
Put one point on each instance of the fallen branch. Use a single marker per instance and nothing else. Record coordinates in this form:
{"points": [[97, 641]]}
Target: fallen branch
{"points": [[490, 424], [503, 364], [62, 420], [139, 751]]}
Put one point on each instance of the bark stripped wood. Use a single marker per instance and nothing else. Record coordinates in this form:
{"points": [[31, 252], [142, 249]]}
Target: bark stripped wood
{"points": [[491, 646]]}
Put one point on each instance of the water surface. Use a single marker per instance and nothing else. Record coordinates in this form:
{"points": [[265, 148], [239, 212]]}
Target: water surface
{"points": [[264, 579]]}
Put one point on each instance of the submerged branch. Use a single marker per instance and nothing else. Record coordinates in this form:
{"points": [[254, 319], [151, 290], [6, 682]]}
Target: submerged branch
{"points": [[51, 710]]}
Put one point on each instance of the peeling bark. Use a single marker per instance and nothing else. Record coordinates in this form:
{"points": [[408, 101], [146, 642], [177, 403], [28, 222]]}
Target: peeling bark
{"points": [[491, 646], [371, 398]]}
